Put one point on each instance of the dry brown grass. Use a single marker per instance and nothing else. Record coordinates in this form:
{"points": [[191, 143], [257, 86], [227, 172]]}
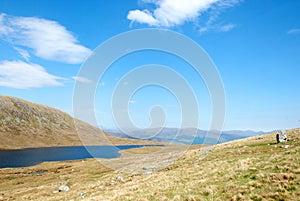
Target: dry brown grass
{"points": [[248, 169], [24, 124]]}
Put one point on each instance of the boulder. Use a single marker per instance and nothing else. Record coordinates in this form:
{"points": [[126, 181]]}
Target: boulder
{"points": [[281, 136], [64, 188]]}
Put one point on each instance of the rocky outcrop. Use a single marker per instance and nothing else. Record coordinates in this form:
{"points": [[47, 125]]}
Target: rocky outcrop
{"points": [[281, 136], [17, 112]]}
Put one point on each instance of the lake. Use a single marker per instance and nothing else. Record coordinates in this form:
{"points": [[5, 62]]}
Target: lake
{"points": [[33, 156]]}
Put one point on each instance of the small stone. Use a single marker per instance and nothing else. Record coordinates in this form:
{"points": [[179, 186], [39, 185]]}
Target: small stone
{"points": [[285, 146], [82, 194], [149, 167], [148, 173], [120, 178], [135, 173], [64, 188]]}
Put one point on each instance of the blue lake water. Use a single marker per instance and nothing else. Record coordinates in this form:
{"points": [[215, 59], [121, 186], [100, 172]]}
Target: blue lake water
{"points": [[33, 156]]}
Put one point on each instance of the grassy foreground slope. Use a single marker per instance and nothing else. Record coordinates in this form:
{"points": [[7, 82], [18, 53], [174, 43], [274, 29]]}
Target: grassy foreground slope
{"points": [[255, 168], [24, 124]]}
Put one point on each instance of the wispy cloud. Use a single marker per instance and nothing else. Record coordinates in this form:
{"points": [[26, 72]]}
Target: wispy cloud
{"points": [[170, 13], [22, 75], [213, 15], [227, 27], [217, 28], [294, 31], [3, 28], [47, 39], [132, 101], [23, 53], [81, 79]]}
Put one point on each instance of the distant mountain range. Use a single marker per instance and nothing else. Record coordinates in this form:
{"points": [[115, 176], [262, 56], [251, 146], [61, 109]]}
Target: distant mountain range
{"points": [[185, 135]]}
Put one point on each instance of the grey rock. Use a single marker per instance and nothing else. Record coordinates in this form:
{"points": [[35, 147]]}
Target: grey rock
{"points": [[285, 146], [82, 194], [39, 172], [149, 167], [281, 136], [121, 179], [64, 188], [148, 173]]}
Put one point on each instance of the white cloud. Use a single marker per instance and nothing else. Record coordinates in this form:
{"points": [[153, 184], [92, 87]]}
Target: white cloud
{"points": [[23, 53], [294, 31], [227, 27], [21, 75], [142, 17], [217, 28], [81, 79], [170, 13], [132, 102], [3, 28], [48, 39]]}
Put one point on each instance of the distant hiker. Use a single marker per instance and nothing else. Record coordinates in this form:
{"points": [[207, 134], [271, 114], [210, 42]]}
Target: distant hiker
{"points": [[281, 136]]}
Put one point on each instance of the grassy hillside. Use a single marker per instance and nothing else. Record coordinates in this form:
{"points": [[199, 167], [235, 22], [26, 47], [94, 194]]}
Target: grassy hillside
{"points": [[255, 168], [25, 124]]}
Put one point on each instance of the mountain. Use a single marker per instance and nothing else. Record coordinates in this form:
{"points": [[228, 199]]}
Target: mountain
{"points": [[185, 135], [25, 124]]}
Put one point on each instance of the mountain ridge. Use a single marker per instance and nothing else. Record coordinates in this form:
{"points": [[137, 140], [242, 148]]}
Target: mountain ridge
{"points": [[25, 124], [185, 135]]}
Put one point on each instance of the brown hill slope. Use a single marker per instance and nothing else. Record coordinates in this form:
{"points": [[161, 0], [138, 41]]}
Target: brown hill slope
{"points": [[25, 124]]}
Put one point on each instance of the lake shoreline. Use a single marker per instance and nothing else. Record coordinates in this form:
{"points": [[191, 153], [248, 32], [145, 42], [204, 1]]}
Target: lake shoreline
{"points": [[92, 145], [19, 158]]}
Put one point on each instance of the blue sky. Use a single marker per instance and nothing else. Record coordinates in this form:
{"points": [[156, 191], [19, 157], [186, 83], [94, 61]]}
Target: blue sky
{"points": [[255, 46]]}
